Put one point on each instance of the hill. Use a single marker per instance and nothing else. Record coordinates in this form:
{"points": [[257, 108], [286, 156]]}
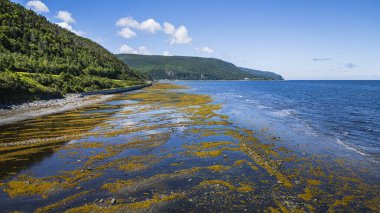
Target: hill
{"points": [[40, 59], [262, 74], [186, 68]]}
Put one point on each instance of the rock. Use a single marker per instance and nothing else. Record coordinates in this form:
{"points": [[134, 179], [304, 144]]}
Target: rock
{"points": [[82, 170], [101, 200], [176, 171], [79, 160], [89, 168], [297, 182], [113, 201], [191, 200], [225, 156], [190, 180], [78, 188], [27, 182]]}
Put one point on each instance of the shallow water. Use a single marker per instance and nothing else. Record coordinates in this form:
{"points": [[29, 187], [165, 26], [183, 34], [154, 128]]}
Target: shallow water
{"points": [[161, 149], [326, 113]]}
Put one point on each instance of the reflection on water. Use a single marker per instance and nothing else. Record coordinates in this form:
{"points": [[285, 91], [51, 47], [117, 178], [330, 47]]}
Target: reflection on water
{"points": [[25, 143], [162, 149]]}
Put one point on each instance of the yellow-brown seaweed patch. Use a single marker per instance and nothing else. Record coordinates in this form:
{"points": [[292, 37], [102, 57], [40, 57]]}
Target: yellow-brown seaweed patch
{"points": [[240, 162], [211, 153], [155, 200], [31, 186], [218, 168], [313, 182], [308, 195], [61, 202], [207, 145], [244, 187]]}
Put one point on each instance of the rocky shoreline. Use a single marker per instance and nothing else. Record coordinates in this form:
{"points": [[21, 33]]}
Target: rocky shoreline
{"points": [[15, 113], [46, 107]]}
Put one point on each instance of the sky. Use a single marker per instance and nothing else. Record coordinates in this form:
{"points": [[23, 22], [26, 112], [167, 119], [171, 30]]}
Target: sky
{"points": [[299, 39]]}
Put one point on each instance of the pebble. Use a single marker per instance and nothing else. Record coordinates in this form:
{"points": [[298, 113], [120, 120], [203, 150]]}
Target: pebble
{"points": [[78, 188], [113, 201], [101, 200], [89, 168], [190, 180]]}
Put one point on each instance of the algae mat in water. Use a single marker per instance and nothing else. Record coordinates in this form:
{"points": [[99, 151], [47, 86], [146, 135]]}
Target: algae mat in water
{"points": [[163, 149]]}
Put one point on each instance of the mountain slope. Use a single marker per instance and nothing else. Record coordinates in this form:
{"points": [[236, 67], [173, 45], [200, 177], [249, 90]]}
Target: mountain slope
{"points": [[262, 74], [29, 43], [185, 68]]}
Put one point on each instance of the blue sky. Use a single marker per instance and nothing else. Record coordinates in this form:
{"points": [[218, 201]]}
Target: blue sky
{"points": [[299, 39]]}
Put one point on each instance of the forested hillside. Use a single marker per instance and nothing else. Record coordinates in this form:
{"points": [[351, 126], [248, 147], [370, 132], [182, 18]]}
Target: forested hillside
{"points": [[187, 68], [262, 74], [40, 58]]}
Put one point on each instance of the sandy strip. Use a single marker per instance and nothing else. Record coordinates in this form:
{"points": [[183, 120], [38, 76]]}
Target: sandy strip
{"points": [[69, 102], [41, 108]]}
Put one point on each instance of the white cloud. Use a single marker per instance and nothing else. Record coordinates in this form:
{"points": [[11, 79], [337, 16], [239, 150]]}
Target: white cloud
{"points": [[150, 25], [127, 22], [143, 50], [67, 20], [177, 36], [65, 17], [180, 36], [168, 28], [69, 27], [37, 6], [140, 50], [127, 49], [207, 50], [166, 53], [127, 33]]}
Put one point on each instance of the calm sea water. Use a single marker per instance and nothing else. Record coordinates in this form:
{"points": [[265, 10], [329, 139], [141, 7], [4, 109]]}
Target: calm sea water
{"points": [[337, 117]]}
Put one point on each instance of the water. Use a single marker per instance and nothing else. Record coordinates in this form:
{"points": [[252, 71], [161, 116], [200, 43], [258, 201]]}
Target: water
{"points": [[243, 146], [343, 115]]}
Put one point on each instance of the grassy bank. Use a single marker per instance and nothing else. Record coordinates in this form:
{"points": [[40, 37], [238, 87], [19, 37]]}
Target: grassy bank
{"points": [[18, 87]]}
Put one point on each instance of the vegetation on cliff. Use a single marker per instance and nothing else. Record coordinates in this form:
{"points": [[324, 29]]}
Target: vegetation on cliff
{"points": [[190, 68], [40, 59]]}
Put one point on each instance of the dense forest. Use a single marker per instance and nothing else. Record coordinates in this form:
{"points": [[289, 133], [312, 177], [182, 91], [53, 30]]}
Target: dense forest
{"points": [[39, 59], [189, 68], [262, 74]]}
